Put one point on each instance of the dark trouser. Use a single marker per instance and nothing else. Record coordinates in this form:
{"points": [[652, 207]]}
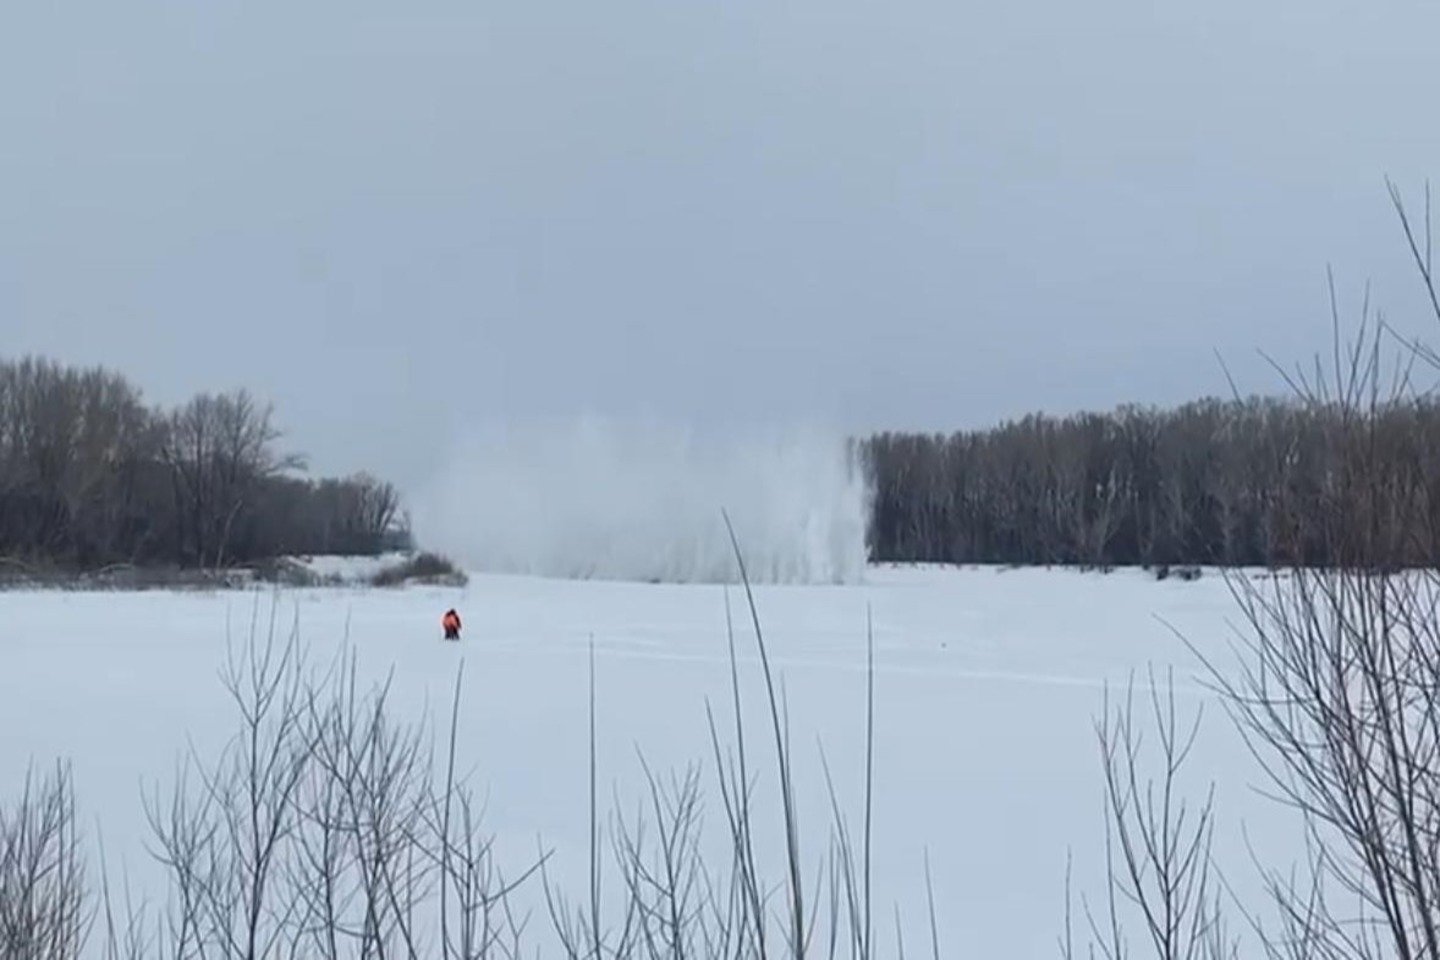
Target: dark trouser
{"points": [[451, 633]]}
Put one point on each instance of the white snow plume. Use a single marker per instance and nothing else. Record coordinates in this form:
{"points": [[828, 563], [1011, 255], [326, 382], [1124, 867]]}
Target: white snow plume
{"points": [[617, 500]]}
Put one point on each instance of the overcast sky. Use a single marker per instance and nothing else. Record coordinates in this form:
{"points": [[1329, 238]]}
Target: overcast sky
{"points": [[392, 219]]}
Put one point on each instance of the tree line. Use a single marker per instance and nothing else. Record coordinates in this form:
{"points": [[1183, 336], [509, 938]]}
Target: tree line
{"points": [[91, 476], [1257, 482]]}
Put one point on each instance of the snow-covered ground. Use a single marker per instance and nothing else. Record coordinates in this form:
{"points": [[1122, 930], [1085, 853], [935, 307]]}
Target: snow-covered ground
{"points": [[987, 684]]}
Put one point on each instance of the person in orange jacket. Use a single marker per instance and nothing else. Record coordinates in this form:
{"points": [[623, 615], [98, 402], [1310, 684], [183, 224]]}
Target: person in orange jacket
{"points": [[451, 623]]}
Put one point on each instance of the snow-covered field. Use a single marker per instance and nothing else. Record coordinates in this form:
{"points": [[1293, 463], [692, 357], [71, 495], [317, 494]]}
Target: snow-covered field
{"points": [[987, 684]]}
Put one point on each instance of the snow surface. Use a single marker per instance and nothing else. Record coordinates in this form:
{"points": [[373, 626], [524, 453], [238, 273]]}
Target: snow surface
{"points": [[987, 684]]}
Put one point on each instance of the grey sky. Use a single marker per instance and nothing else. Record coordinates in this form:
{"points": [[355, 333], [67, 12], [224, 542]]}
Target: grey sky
{"points": [[393, 218]]}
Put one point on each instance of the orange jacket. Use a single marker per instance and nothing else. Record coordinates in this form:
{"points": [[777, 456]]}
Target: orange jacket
{"points": [[451, 621]]}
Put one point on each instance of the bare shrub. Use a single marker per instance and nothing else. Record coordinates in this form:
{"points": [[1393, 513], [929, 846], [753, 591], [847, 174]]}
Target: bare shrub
{"points": [[1157, 843], [682, 898], [323, 829], [1335, 683], [429, 568], [43, 893]]}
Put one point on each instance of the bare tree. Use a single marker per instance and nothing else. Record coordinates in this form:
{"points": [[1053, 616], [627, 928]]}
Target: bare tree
{"points": [[219, 448]]}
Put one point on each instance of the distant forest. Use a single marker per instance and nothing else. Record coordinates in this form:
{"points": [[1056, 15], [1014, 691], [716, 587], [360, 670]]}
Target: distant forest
{"points": [[1256, 482], [90, 476]]}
